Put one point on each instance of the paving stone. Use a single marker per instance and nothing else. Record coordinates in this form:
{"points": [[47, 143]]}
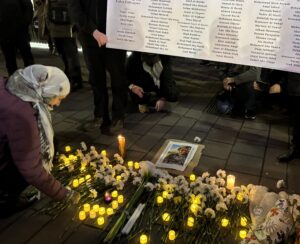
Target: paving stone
{"points": [[249, 148], [270, 183], [140, 128], [279, 135], [259, 137], [272, 168], [145, 143], [244, 164], [256, 125], [179, 110], [180, 129], [135, 155], [193, 113], [216, 149], [293, 177], [210, 164], [84, 235], [169, 120], [159, 130], [83, 115], [224, 123], [222, 135], [190, 136], [150, 154], [243, 179], [135, 117]]}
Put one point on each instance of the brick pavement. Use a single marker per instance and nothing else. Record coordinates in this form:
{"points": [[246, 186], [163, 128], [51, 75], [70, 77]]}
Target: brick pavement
{"points": [[247, 149]]}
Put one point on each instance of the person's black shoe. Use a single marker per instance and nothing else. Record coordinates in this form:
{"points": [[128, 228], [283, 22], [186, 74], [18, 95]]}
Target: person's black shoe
{"points": [[250, 114], [289, 156], [117, 125]]}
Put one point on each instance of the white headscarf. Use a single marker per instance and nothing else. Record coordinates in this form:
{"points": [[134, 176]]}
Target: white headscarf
{"points": [[37, 84]]}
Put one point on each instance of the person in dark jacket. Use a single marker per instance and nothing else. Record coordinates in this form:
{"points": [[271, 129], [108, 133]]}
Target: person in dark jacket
{"points": [[26, 135], [150, 80], [89, 17], [293, 88], [15, 18]]}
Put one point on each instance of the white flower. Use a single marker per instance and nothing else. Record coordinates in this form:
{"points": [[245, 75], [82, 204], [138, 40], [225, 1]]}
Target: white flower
{"points": [[221, 173], [280, 184], [83, 146], [94, 193], [147, 168], [283, 195], [205, 175], [137, 180], [209, 212], [294, 199], [197, 139], [222, 191], [221, 206], [150, 186], [220, 181]]}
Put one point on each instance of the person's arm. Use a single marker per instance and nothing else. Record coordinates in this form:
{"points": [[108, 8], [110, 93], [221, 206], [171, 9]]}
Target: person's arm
{"points": [[132, 72], [250, 75], [24, 144], [27, 9]]}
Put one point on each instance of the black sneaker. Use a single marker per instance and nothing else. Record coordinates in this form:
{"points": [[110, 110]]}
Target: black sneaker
{"points": [[250, 114], [289, 156]]}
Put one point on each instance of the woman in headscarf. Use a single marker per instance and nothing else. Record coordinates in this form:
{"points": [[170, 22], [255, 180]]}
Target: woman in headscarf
{"points": [[26, 134]]}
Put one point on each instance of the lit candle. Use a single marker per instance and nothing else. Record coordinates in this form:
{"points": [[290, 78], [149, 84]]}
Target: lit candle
{"points": [[67, 148], [120, 199], [96, 207], [82, 215], [119, 178], [103, 153], [107, 197], [130, 164], [192, 177], [190, 222], [81, 180], [86, 207], [92, 214], [143, 239], [102, 211], [224, 222], [75, 183], [165, 194], [88, 177], [243, 221], [100, 221], [114, 194], [136, 165], [67, 162], [172, 235], [121, 140], [159, 200], [230, 182], [114, 204], [240, 196], [109, 211], [243, 234], [194, 208], [166, 217]]}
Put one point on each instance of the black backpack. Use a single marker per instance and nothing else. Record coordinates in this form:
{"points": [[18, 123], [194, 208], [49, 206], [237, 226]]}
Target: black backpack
{"points": [[58, 12]]}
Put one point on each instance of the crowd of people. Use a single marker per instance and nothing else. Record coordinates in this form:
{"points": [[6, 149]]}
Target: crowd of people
{"points": [[30, 93]]}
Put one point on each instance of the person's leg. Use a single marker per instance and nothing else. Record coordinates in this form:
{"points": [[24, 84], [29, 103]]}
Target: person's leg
{"points": [[115, 63], [9, 53], [72, 62], [59, 44], [168, 88], [25, 50]]}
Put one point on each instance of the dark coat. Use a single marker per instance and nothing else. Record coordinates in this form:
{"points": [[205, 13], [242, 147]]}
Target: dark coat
{"points": [[15, 18], [20, 144], [88, 15], [293, 84]]}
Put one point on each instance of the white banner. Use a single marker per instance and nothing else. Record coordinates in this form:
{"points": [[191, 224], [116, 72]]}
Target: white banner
{"points": [[263, 33]]}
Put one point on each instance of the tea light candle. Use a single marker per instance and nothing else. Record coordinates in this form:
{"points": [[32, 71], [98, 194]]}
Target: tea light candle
{"points": [[172, 235], [194, 208], [100, 221], [86, 207], [243, 234], [243, 221], [81, 180], [96, 207], [114, 204], [88, 177], [190, 222], [75, 183], [82, 215], [120, 199], [68, 149], [159, 200], [114, 194], [240, 196], [166, 217], [67, 162], [192, 177], [130, 164], [109, 211], [103, 153], [143, 239], [107, 197], [92, 214], [121, 140], [165, 194], [136, 165], [119, 178], [102, 211], [224, 222], [230, 182]]}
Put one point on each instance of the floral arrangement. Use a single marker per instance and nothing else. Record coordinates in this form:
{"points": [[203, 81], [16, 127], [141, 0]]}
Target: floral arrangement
{"points": [[198, 209]]}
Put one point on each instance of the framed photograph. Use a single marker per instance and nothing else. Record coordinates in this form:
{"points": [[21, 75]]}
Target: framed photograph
{"points": [[177, 155]]}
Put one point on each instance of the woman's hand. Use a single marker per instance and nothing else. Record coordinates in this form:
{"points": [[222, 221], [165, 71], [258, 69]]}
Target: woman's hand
{"points": [[227, 83], [100, 38], [138, 91]]}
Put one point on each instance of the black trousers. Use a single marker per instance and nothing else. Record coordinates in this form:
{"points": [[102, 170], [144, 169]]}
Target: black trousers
{"points": [[294, 105], [244, 97], [67, 48], [10, 46], [99, 60]]}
